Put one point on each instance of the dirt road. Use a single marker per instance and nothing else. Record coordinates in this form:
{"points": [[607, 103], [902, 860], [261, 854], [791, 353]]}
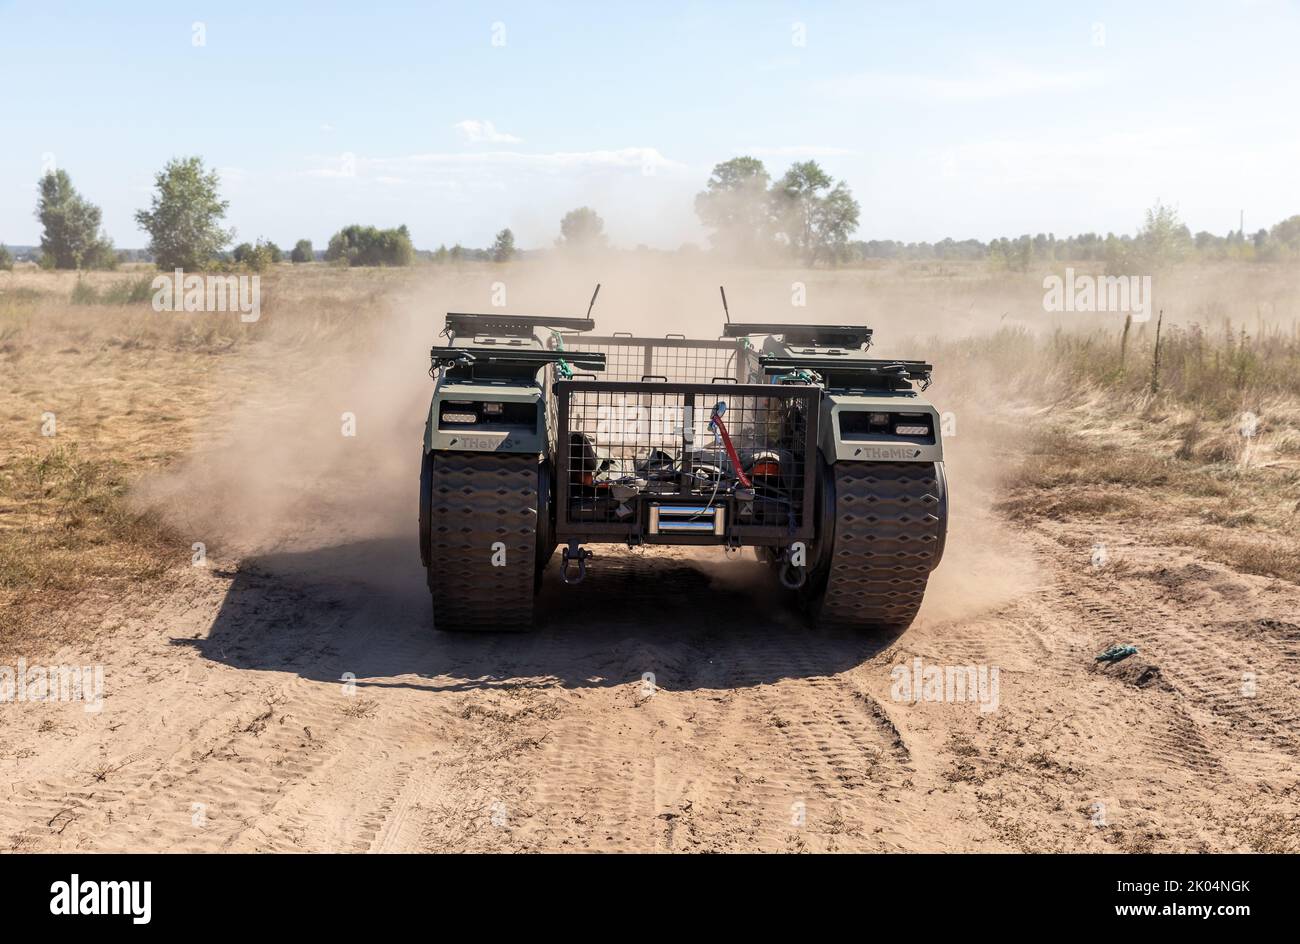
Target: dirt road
{"points": [[230, 722], [298, 699]]}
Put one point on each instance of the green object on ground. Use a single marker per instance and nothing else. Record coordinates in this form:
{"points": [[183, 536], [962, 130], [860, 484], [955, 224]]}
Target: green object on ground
{"points": [[1115, 653]]}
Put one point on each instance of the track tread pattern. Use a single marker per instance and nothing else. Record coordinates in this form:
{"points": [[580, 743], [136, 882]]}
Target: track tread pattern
{"points": [[478, 500], [889, 521]]}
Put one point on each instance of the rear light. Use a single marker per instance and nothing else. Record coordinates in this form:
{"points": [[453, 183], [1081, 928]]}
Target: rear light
{"points": [[766, 467], [459, 418], [911, 430]]}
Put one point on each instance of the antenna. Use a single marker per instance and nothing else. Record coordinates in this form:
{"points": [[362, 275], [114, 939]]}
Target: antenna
{"points": [[593, 300], [725, 311]]}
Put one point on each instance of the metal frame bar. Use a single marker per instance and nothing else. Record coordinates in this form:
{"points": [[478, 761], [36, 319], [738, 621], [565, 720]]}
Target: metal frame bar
{"points": [[523, 356], [726, 344], [670, 354], [776, 364], [852, 335], [512, 325]]}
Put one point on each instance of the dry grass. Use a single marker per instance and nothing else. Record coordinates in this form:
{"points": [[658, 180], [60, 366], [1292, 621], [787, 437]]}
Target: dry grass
{"points": [[1246, 517], [130, 390], [1208, 460], [65, 531]]}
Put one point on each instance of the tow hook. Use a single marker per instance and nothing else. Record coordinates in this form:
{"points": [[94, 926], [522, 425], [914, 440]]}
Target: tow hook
{"points": [[574, 552], [793, 575]]}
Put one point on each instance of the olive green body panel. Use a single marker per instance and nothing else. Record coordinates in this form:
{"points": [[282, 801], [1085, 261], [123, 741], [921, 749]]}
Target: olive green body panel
{"points": [[857, 441], [485, 436], [839, 444]]}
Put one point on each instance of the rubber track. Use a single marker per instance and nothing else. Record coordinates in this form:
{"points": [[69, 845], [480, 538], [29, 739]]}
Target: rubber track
{"points": [[478, 500], [889, 520]]}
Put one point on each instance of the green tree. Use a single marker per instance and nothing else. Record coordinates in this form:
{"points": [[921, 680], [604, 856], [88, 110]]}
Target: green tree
{"points": [[736, 205], [276, 253], [302, 251], [835, 217], [794, 202], [582, 229], [71, 237], [183, 221], [1287, 233], [1163, 239], [368, 246], [503, 248], [6, 259], [815, 214]]}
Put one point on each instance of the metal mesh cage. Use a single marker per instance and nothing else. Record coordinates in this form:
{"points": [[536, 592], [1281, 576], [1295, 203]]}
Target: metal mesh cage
{"points": [[627, 449], [672, 359]]}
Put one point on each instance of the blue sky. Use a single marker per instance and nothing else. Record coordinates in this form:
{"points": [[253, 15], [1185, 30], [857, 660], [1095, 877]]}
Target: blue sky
{"points": [[946, 119]]}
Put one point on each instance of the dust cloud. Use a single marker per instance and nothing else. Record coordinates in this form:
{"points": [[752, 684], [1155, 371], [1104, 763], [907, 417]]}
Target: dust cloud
{"points": [[323, 449]]}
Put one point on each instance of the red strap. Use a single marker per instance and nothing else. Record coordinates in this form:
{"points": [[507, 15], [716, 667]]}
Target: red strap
{"points": [[731, 451]]}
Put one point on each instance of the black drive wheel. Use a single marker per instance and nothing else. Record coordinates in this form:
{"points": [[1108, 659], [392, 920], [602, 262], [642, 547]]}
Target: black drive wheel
{"points": [[889, 522], [479, 539]]}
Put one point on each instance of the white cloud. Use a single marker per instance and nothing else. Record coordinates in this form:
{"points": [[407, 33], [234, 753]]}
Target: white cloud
{"points": [[327, 127], [483, 132]]}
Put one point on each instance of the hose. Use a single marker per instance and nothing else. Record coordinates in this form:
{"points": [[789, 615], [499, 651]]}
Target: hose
{"points": [[715, 419]]}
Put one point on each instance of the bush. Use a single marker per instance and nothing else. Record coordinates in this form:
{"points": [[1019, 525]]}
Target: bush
{"points": [[83, 293], [128, 292], [302, 251], [367, 246], [6, 259], [255, 257], [125, 292]]}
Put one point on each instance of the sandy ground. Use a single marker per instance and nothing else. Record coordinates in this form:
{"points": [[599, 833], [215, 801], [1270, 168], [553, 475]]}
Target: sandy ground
{"points": [[230, 722], [292, 695]]}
